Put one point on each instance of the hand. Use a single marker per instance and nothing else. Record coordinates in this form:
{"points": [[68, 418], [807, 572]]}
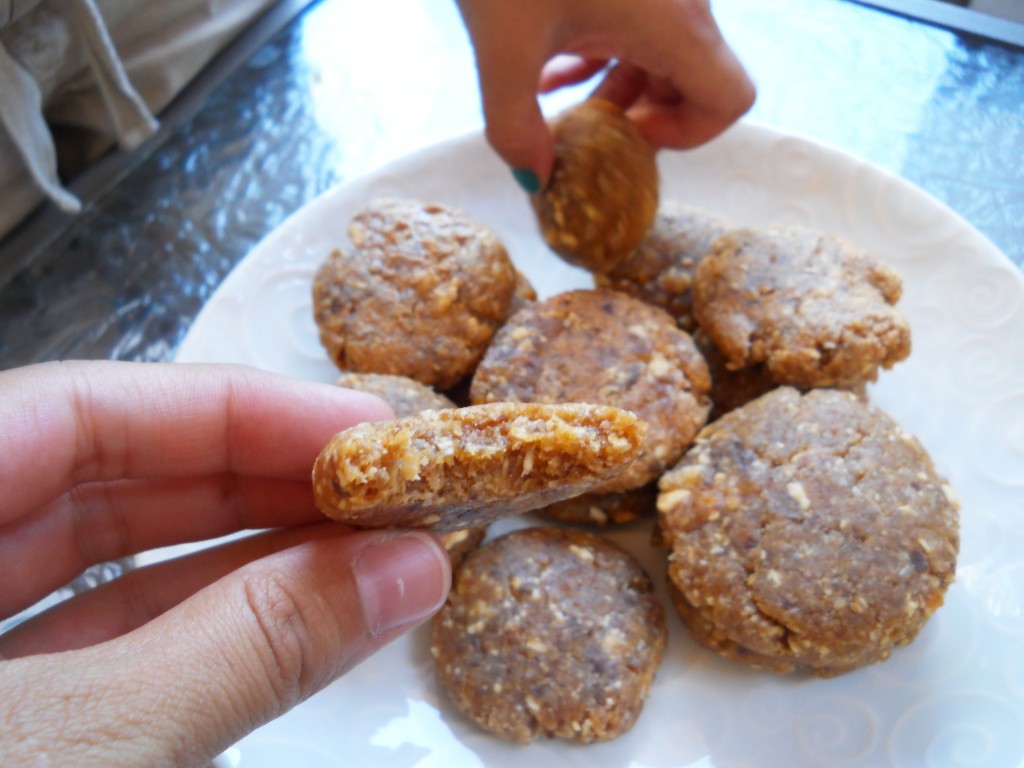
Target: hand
{"points": [[172, 663], [674, 73]]}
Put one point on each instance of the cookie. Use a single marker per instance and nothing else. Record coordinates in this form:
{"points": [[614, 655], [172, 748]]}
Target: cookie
{"points": [[420, 293], [661, 269], [731, 388], [550, 632], [460, 543], [602, 346], [453, 469], [405, 396], [816, 310], [523, 294], [807, 531], [603, 192], [603, 509]]}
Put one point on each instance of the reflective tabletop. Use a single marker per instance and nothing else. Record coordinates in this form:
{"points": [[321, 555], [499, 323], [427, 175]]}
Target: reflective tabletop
{"points": [[337, 88]]}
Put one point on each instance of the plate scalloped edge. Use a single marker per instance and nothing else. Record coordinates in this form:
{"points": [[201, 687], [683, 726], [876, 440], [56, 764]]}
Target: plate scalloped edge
{"points": [[955, 694]]}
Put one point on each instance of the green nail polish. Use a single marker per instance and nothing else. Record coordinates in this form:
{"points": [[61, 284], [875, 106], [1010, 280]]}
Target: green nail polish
{"points": [[527, 179]]}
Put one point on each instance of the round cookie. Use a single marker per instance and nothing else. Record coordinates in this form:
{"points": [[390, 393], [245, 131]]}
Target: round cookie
{"points": [[603, 509], [420, 294], [660, 271], [816, 310], [603, 346], [807, 531], [603, 192], [405, 396], [550, 632], [465, 467]]}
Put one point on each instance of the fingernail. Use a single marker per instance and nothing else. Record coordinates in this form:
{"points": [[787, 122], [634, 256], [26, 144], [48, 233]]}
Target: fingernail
{"points": [[402, 579], [526, 179]]}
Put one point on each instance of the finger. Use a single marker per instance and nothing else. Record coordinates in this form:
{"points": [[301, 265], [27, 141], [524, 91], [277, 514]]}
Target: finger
{"points": [[713, 89], [622, 86], [683, 126], [236, 654], [694, 117], [62, 424], [117, 607], [100, 522], [516, 129], [565, 70]]}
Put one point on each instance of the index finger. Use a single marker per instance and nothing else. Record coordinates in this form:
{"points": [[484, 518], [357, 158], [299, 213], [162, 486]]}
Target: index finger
{"points": [[685, 88], [62, 424]]}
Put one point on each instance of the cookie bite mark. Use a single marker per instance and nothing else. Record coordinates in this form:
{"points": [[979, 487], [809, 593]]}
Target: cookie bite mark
{"points": [[605, 347], [452, 469]]}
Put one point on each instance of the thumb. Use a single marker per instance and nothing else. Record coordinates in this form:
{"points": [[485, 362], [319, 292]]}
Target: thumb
{"points": [[244, 650]]}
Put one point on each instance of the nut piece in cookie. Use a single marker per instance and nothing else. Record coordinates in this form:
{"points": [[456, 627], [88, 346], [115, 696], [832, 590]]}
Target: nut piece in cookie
{"points": [[660, 271], [419, 294], [603, 191], [603, 346], [550, 632], [604, 509], [807, 531], [817, 311], [451, 469]]}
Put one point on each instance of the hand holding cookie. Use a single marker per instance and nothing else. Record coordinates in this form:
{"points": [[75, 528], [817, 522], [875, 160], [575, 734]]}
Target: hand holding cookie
{"points": [[677, 78], [171, 663]]}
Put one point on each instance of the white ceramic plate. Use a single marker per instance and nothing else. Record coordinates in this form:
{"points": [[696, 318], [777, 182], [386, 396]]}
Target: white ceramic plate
{"points": [[955, 696]]}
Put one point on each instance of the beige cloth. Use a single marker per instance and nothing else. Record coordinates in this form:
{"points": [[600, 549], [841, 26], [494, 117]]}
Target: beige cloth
{"points": [[100, 65]]}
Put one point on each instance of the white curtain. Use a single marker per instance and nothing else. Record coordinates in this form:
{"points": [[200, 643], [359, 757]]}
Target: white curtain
{"points": [[102, 65]]}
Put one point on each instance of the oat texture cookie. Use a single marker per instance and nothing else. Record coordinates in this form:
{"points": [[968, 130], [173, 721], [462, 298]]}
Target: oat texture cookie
{"points": [[550, 632], [605, 347], [523, 294], [405, 396], [452, 469], [807, 531], [460, 543], [731, 388], [408, 397], [603, 191], [660, 271], [419, 294], [816, 310], [603, 509]]}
